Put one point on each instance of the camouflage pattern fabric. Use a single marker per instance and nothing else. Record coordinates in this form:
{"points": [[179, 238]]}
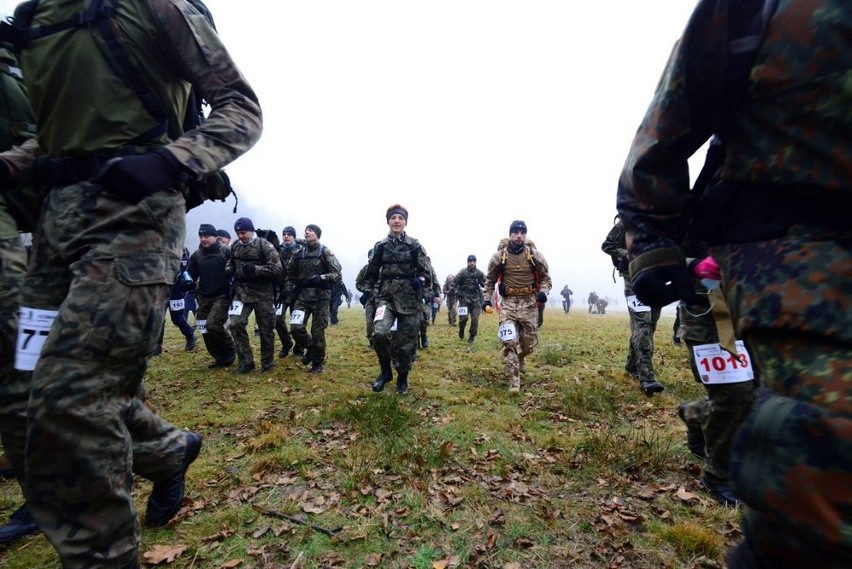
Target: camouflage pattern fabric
{"points": [[640, 351], [391, 270], [521, 310], [217, 340], [792, 460], [107, 267], [726, 406], [313, 299], [14, 384], [451, 300], [256, 291], [282, 321], [370, 305], [788, 288], [469, 283]]}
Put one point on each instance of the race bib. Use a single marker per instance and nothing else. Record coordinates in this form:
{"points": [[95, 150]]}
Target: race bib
{"points": [[380, 313], [507, 331], [297, 317], [716, 366], [177, 305], [236, 308], [635, 305], [393, 326], [279, 310], [436, 305], [33, 327], [201, 325], [462, 311]]}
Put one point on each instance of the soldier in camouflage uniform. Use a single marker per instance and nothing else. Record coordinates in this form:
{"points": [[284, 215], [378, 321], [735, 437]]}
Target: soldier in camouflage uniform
{"points": [[711, 421], [566, 299], [469, 282], [105, 256], [310, 276], [256, 269], [368, 300], [450, 299], [289, 247], [398, 271], [430, 297], [643, 319], [207, 267], [777, 221], [521, 276]]}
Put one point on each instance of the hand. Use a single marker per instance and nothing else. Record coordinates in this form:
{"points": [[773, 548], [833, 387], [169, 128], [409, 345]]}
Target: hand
{"points": [[416, 283], [706, 268], [249, 268], [134, 178], [501, 289], [365, 298], [315, 280], [662, 285], [541, 297]]}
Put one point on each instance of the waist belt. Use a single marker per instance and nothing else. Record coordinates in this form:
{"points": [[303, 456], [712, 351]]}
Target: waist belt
{"points": [[516, 291], [51, 172], [398, 278]]}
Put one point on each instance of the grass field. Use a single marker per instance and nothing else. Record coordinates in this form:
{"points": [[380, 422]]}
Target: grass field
{"points": [[579, 469]]}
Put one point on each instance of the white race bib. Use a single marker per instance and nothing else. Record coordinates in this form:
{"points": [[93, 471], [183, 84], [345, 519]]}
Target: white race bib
{"points": [[393, 326], [635, 305], [507, 331], [462, 311], [201, 325], [279, 310], [177, 305], [236, 308], [33, 327], [436, 305], [297, 317], [380, 313], [716, 366]]}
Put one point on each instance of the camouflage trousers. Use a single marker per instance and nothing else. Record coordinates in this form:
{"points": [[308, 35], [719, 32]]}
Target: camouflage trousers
{"points": [[396, 346], [473, 311], [14, 385], [791, 302], [369, 315], [640, 352], [317, 312], [452, 309], [282, 327], [720, 414], [522, 310], [214, 311], [264, 316], [107, 267]]}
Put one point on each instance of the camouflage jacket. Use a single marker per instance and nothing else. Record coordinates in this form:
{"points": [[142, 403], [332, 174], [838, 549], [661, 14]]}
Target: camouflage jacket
{"points": [[176, 47], [790, 129], [392, 270], [469, 283], [310, 262], [616, 247], [260, 284]]}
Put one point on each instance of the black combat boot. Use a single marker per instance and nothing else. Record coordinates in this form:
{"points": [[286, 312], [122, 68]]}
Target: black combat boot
{"points": [[461, 331], [424, 341], [402, 383], [383, 378], [307, 358]]}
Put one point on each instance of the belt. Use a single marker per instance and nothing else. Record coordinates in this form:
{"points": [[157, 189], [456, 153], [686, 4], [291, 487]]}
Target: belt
{"points": [[519, 291]]}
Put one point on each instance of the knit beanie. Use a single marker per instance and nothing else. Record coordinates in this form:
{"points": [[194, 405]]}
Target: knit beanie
{"points": [[243, 224], [315, 228]]}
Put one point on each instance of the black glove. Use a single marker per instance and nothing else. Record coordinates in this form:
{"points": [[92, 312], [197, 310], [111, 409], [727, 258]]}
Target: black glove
{"points": [[541, 297], [365, 298], [416, 283], [486, 304], [660, 286], [249, 268], [315, 280], [501, 289], [133, 178], [232, 289]]}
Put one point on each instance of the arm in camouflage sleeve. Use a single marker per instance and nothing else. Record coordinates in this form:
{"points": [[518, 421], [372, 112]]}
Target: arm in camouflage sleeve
{"points": [[235, 120], [272, 269], [335, 271], [653, 190], [544, 282]]}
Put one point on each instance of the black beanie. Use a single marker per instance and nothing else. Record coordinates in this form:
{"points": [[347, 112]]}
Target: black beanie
{"points": [[518, 225], [315, 228], [289, 230], [206, 230], [223, 233], [471, 258], [243, 224]]}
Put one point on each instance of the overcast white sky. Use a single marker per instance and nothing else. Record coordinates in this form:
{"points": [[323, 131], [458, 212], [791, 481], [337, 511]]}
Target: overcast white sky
{"points": [[471, 113]]}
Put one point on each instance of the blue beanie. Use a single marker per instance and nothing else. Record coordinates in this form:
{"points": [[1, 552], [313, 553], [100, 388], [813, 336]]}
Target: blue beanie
{"points": [[243, 224]]}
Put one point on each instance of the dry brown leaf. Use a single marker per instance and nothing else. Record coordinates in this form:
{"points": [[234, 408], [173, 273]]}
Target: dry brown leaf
{"points": [[163, 553], [373, 560], [442, 564], [231, 563]]}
